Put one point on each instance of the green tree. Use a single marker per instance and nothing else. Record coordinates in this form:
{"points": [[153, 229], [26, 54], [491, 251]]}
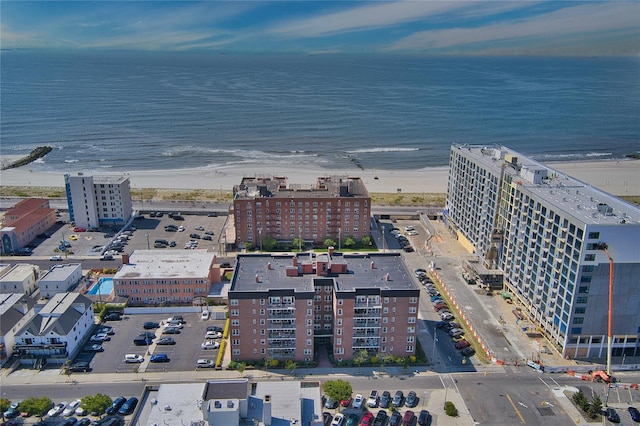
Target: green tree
{"points": [[97, 403], [362, 357], [595, 407], [366, 241], [337, 389], [269, 244], [4, 406], [349, 242], [36, 406], [329, 243], [450, 409], [297, 243], [248, 246], [580, 400], [290, 365], [241, 366]]}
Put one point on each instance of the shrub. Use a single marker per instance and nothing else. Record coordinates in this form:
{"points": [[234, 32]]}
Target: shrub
{"points": [[450, 409]]}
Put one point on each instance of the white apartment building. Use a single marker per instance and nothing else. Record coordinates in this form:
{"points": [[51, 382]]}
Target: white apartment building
{"points": [[21, 278], [15, 310], [548, 232], [96, 201], [60, 279]]}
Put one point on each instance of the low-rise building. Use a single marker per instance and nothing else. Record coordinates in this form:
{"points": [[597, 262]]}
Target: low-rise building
{"points": [[56, 330], [60, 279], [21, 278], [281, 306], [14, 310], [149, 277], [235, 402], [24, 222]]}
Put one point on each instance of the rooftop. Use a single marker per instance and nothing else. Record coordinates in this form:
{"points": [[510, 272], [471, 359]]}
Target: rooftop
{"points": [[276, 187], [262, 272], [176, 404], [103, 179], [19, 272], [60, 272], [173, 264], [572, 196]]}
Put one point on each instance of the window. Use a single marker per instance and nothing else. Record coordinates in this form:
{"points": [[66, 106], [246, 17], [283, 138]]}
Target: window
{"points": [[233, 302], [576, 330], [581, 299], [581, 310], [413, 300], [235, 313], [412, 310], [583, 289], [578, 320], [411, 320], [409, 348], [589, 257], [594, 235]]}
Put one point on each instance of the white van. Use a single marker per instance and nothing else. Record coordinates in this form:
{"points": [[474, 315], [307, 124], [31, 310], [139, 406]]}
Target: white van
{"points": [[133, 358]]}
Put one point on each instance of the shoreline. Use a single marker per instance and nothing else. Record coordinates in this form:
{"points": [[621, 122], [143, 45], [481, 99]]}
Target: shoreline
{"points": [[620, 178]]}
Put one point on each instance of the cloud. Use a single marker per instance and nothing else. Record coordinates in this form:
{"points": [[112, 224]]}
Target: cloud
{"points": [[585, 20]]}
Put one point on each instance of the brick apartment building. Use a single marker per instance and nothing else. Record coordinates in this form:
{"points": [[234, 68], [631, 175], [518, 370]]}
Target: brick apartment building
{"points": [[282, 306], [24, 222], [336, 207]]}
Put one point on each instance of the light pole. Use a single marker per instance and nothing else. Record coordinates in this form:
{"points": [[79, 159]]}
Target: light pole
{"points": [[260, 238], [384, 249], [300, 238], [435, 339], [148, 245], [604, 247]]}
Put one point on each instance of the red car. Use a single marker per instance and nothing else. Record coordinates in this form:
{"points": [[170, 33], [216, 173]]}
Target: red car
{"points": [[367, 419], [79, 229], [462, 344], [346, 402], [440, 306]]}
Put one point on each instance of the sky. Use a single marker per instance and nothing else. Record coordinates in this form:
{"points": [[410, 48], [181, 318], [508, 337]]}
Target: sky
{"points": [[445, 27]]}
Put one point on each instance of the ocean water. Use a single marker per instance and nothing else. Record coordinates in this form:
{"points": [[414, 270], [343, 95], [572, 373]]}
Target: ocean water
{"points": [[115, 111]]}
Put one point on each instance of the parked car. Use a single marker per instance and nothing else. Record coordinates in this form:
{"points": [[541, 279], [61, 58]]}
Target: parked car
{"points": [[70, 409], [80, 367], [381, 418], [423, 418], [205, 363], [55, 258], [215, 328], [149, 325], [372, 401], [634, 413], [468, 351], [446, 315], [142, 341], [358, 400], [112, 316], [133, 358], [57, 409], [407, 420], [204, 315], [412, 400], [175, 324], [83, 422], [195, 236], [331, 403], [346, 402], [338, 420], [213, 335], [171, 330], [367, 419], [612, 415], [207, 237], [398, 399], [95, 347], [128, 407], [199, 228], [106, 330], [165, 341], [462, 344], [100, 337], [352, 420], [420, 272], [385, 399], [115, 405], [159, 358], [455, 331], [210, 344], [12, 411], [395, 419]]}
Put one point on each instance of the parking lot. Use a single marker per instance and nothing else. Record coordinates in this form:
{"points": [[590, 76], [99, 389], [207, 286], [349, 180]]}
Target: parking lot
{"points": [[183, 355]]}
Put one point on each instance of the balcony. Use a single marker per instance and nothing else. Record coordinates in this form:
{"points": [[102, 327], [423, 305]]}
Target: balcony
{"points": [[289, 334], [281, 353], [281, 305], [375, 304], [366, 312], [281, 313], [375, 323], [281, 325]]}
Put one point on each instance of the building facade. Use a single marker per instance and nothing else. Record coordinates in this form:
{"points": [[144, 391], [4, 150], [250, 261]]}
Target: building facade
{"points": [[24, 222], [548, 232], [284, 306], [14, 310], [60, 279], [96, 201], [56, 330], [336, 207], [21, 278], [149, 277]]}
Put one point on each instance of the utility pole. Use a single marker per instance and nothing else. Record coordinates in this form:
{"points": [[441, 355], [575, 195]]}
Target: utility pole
{"points": [[604, 247]]}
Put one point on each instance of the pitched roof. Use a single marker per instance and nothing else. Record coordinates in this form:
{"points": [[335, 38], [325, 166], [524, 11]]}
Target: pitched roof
{"points": [[59, 315]]}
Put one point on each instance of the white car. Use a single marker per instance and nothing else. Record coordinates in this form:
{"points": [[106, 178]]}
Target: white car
{"points": [[338, 420], [70, 409], [57, 410], [213, 335], [173, 324], [412, 233], [409, 228], [210, 344], [205, 315], [358, 400], [373, 399], [181, 228], [100, 337], [205, 363], [55, 258]]}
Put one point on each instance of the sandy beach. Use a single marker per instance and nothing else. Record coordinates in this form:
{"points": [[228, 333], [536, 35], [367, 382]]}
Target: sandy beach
{"points": [[615, 177]]}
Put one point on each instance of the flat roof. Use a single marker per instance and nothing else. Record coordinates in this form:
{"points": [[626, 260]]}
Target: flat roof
{"points": [[60, 272], [572, 196], [19, 272], [276, 187], [171, 264], [102, 179], [364, 271], [177, 404]]}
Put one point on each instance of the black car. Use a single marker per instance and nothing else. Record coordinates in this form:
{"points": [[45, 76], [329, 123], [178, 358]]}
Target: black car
{"points": [[612, 415], [116, 404], [79, 367], [195, 236], [142, 341], [385, 399], [112, 316], [225, 265], [84, 422], [171, 330], [634, 413], [468, 351], [381, 418], [215, 328], [149, 325], [110, 421], [395, 419], [94, 347], [165, 341], [412, 400], [128, 407], [147, 334], [326, 418], [423, 418]]}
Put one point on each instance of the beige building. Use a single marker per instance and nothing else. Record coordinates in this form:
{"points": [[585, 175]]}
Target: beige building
{"points": [[21, 278], [335, 207], [286, 306]]}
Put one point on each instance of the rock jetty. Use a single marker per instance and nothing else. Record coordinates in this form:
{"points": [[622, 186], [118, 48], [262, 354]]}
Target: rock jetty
{"points": [[36, 153]]}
